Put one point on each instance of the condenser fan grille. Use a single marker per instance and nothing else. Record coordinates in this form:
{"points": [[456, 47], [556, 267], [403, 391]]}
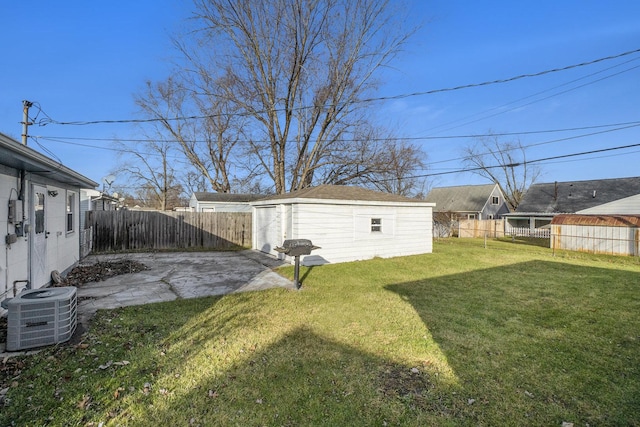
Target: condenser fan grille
{"points": [[41, 317]]}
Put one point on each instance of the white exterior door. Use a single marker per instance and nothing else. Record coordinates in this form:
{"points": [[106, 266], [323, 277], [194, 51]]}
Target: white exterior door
{"points": [[38, 234], [267, 229]]}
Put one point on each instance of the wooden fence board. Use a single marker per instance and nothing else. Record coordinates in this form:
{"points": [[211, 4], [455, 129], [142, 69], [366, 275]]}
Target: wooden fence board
{"points": [[143, 230], [472, 228]]}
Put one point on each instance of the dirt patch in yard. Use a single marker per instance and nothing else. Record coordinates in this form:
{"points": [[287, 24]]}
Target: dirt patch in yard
{"points": [[100, 271]]}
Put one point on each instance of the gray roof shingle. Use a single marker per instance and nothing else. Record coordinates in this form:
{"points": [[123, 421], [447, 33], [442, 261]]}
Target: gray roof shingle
{"points": [[574, 196], [463, 198], [341, 192], [203, 196]]}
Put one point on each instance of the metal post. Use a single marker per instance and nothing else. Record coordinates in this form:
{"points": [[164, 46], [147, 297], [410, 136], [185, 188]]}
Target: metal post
{"points": [[296, 272]]}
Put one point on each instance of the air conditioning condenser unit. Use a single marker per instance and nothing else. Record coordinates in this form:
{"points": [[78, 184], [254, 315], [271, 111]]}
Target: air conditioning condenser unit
{"points": [[39, 317]]}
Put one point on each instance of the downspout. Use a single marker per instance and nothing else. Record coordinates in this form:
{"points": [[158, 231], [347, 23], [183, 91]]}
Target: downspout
{"points": [[22, 178]]}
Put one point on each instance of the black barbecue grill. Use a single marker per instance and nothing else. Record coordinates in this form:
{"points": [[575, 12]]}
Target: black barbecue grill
{"points": [[296, 248]]}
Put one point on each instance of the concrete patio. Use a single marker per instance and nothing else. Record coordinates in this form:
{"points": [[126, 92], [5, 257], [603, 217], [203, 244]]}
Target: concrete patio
{"points": [[171, 276]]}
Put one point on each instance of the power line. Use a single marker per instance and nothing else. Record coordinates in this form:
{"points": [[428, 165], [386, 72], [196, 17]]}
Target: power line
{"points": [[500, 81], [624, 126], [596, 157], [484, 117], [416, 138], [536, 144], [516, 164], [48, 120], [178, 159]]}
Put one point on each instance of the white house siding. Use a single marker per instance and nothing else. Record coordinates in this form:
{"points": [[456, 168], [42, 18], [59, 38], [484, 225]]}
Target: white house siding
{"points": [[13, 260], [62, 248], [85, 204], [222, 207], [596, 239], [626, 206], [193, 203], [491, 211], [344, 231], [23, 263], [226, 204]]}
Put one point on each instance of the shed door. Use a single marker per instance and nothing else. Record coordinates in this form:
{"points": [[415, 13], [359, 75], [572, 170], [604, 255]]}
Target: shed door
{"points": [[267, 229], [38, 238]]}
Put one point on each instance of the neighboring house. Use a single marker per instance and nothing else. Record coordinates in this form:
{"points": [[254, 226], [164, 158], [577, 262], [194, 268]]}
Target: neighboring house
{"points": [[469, 202], [348, 223], [542, 202], [39, 209], [222, 202], [95, 200], [625, 206]]}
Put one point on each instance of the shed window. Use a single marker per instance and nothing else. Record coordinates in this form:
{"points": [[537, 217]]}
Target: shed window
{"points": [[71, 198], [495, 200], [376, 224]]}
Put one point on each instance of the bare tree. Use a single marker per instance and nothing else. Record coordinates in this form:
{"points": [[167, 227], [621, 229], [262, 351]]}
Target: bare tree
{"points": [[505, 163], [193, 181], [149, 170], [378, 161], [402, 160], [296, 71], [204, 127]]}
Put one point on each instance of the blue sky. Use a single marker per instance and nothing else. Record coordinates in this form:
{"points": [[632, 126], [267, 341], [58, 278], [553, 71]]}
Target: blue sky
{"points": [[82, 60]]}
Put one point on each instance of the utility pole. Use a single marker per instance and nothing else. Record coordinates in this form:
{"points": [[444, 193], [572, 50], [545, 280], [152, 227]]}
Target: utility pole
{"points": [[25, 120]]}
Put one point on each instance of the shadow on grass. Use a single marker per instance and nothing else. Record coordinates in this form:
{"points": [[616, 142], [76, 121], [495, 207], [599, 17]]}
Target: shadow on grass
{"points": [[533, 343], [539, 342], [305, 379], [530, 241]]}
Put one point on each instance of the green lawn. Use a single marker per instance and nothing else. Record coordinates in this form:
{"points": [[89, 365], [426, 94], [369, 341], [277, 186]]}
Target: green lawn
{"points": [[507, 335]]}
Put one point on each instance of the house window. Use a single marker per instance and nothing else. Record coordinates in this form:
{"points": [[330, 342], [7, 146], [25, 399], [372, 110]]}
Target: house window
{"points": [[495, 200], [39, 208], [71, 198], [376, 224]]}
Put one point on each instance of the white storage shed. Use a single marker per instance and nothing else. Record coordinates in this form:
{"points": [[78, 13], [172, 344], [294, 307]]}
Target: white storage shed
{"points": [[348, 223]]}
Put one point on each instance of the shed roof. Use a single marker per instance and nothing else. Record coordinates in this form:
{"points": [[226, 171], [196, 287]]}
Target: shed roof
{"points": [[341, 192], [463, 198], [204, 196], [22, 157], [574, 196], [598, 220]]}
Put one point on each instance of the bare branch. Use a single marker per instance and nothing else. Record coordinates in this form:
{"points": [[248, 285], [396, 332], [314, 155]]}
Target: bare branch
{"points": [[503, 162]]}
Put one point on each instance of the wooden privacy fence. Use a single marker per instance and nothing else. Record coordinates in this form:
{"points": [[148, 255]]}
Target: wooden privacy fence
{"points": [[493, 228], [144, 230]]}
